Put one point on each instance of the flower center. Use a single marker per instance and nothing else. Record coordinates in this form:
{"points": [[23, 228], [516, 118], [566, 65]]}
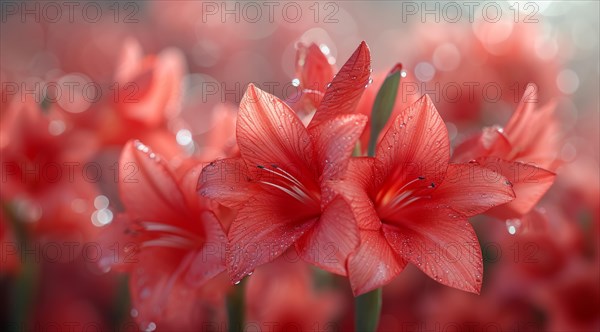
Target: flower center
{"points": [[168, 236], [393, 199], [284, 181]]}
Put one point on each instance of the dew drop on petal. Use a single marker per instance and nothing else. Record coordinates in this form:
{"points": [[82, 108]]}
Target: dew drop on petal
{"points": [[513, 225], [145, 293], [151, 327]]}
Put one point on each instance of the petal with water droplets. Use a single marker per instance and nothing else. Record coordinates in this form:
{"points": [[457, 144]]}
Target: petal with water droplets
{"points": [[529, 183], [147, 187], [333, 238], [263, 229], [470, 189], [444, 247], [342, 96], [374, 264], [334, 142], [227, 181], [415, 145], [269, 132]]}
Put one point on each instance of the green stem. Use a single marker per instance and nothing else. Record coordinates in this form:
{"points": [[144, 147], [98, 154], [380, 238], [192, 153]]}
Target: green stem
{"points": [[25, 285], [367, 308], [235, 308]]}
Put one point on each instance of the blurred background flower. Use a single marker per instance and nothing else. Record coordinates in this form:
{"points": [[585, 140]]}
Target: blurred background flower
{"points": [[80, 79]]}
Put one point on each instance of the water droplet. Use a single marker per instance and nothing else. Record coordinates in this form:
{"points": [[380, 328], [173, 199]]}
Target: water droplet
{"points": [[134, 313], [183, 137], [513, 225], [296, 82], [145, 293], [151, 327], [237, 282]]}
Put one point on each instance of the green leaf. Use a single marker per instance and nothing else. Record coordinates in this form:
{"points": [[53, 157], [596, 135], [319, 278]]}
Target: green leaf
{"points": [[383, 105]]}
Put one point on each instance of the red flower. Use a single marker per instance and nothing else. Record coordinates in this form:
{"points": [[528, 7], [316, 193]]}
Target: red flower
{"points": [[169, 240], [280, 183], [43, 163], [411, 205], [523, 152]]}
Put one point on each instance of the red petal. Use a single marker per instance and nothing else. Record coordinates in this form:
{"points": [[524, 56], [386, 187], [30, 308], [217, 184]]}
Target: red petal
{"points": [[416, 145], [156, 281], [342, 96], [470, 189], [210, 259], [334, 141], [147, 187], [374, 264], [355, 188], [227, 181], [159, 97], [120, 246], [529, 182], [313, 70], [269, 132], [534, 130], [131, 55], [263, 229], [333, 238], [490, 142], [443, 245]]}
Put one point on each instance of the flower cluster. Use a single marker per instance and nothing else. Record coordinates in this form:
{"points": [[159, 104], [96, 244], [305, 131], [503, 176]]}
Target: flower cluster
{"points": [[349, 182]]}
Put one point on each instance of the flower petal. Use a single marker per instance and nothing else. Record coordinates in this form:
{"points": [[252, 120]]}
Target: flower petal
{"points": [[443, 245], [416, 145], [348, 85], [334, 142], [156, 281], [314, 71], [227, 181], [490, 142], [529, 183], [269, 132], [374, 264], [356, 188], [470, 189], [333, 238], [147, 187], [534, 131], [263, 229], [209, 260]]}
